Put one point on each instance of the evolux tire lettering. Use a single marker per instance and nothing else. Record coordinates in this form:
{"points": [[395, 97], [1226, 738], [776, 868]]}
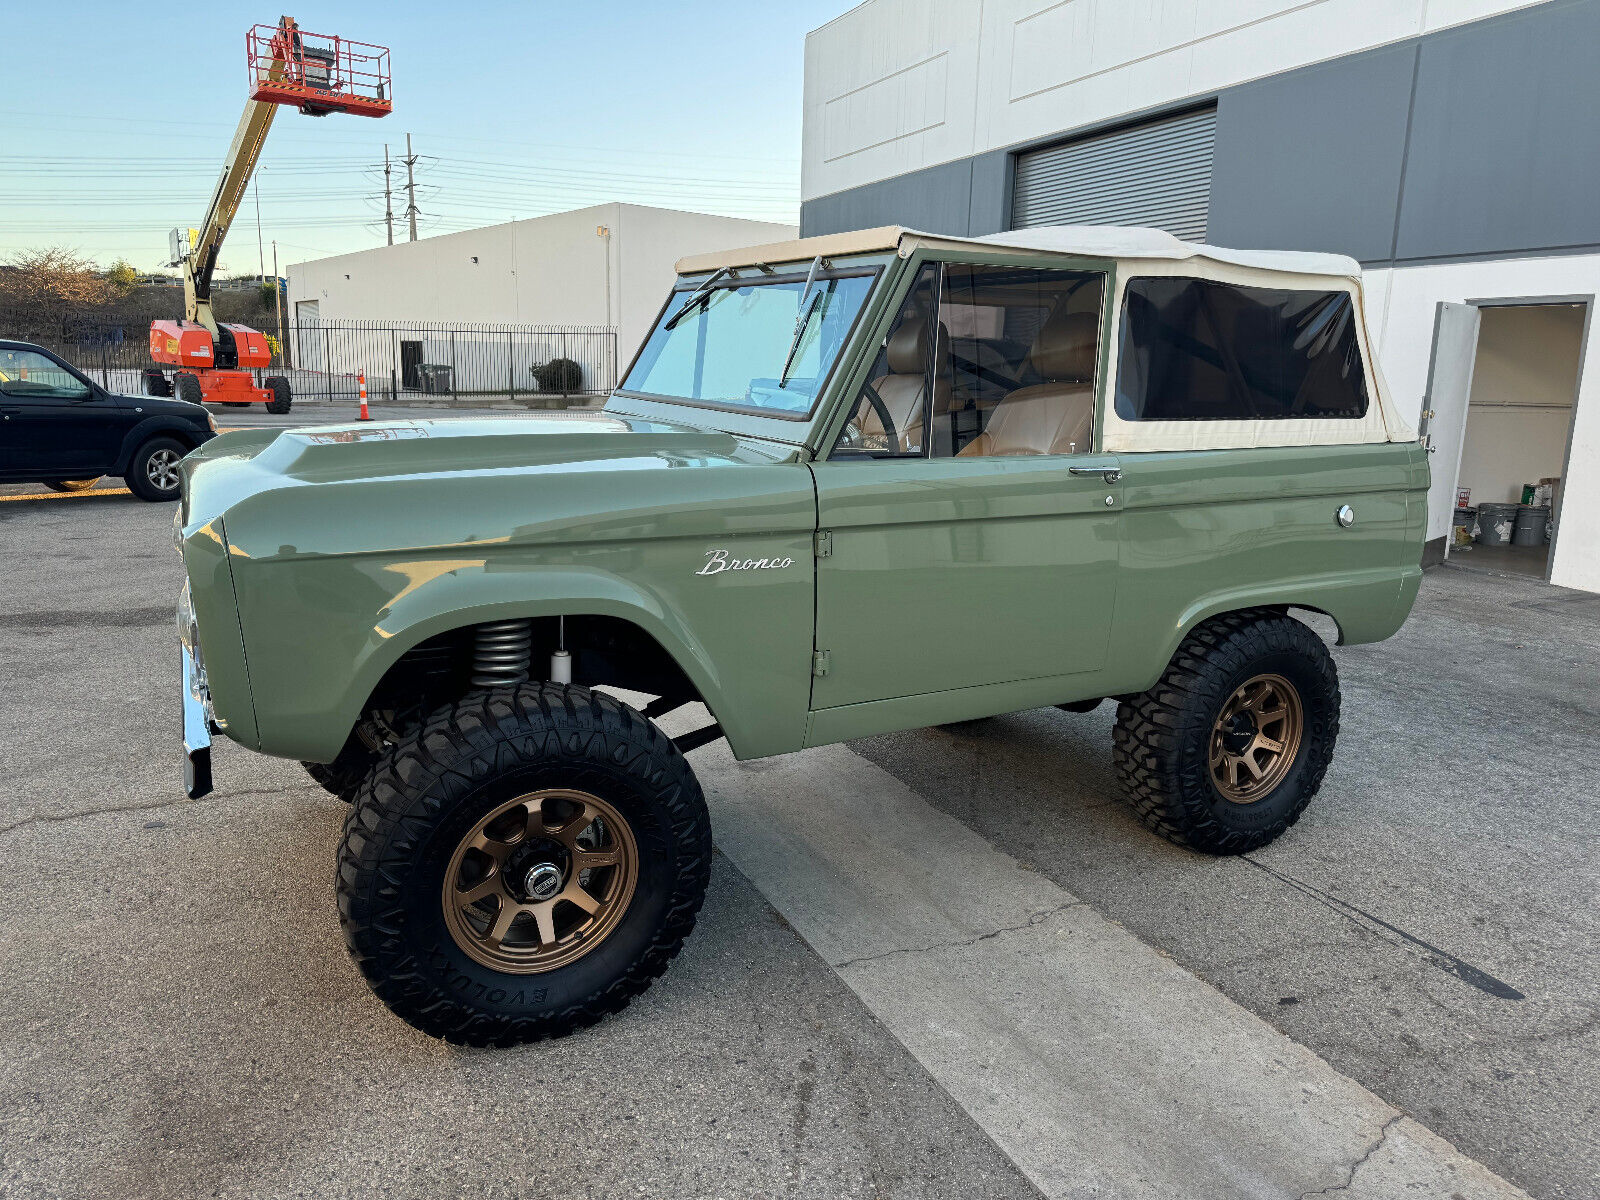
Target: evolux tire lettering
{"points": [[717, 561]]}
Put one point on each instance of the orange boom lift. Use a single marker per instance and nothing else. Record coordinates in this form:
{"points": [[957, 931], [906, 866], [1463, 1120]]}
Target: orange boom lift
{"points": [[318, 75]]}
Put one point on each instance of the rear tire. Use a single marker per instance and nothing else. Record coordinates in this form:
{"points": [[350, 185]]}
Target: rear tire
{"points": [[281, 397], [429, 831], [187, 387], [156, 383], [153, 469], [71, 485], [1195, 753]]}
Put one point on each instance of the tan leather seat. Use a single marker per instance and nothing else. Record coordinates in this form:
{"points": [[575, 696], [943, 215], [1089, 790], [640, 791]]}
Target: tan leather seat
{"points": [[904, 389], [1055, 416]]}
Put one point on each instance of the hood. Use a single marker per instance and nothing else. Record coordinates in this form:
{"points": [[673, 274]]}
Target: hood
{"points": [[418, 469]]}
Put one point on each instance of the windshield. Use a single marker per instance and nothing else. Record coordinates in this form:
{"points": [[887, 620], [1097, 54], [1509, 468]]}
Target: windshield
{"points": [[728, 349]]}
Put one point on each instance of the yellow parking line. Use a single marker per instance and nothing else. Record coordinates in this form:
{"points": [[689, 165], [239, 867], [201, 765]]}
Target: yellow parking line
{"points": [[69, 495]]}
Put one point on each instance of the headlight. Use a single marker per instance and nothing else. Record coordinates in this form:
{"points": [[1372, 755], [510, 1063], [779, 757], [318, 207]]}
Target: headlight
{"points": [[211, 421]]}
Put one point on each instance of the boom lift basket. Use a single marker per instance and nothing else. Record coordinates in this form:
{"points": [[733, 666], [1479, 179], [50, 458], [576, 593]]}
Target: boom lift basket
{"points": [[318, 74]]}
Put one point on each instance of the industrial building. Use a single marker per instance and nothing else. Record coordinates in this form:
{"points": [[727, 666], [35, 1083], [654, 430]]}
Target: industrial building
{"points": [[604, 267], [1448, 145]]}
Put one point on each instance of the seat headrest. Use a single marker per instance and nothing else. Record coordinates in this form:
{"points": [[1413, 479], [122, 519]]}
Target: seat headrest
{"points": [[907, 352], [1064, 350]]}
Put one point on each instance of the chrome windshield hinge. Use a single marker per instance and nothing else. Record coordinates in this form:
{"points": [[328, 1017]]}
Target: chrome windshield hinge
{"points": [[819, 663], [822, 543]]}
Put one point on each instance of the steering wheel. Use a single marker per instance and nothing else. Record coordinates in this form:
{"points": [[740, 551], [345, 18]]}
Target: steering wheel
{"points": [[878, 406]]}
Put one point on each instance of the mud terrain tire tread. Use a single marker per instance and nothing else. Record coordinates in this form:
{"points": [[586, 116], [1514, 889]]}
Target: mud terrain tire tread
{"points": [[473, 740], [1159, 743]]}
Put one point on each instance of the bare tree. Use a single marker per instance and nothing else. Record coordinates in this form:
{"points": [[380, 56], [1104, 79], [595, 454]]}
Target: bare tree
{"points": [[53, 280]]}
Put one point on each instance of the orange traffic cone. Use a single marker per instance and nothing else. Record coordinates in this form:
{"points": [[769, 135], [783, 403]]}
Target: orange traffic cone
{"points": [[362, 380]]}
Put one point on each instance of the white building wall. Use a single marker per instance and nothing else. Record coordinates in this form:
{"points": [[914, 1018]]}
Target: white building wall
{"points": [[554, 270], [1401, 304], [897, 85]]}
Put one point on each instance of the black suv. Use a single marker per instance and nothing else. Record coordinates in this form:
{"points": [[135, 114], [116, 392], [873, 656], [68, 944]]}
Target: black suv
{"points": [[65, 431]]}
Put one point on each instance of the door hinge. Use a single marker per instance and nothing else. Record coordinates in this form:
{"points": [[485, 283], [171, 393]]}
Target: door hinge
{"points": [[819, 663], [822, 543]]}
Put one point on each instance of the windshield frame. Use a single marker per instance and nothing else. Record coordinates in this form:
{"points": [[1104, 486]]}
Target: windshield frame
{"points": [[756, 277]]}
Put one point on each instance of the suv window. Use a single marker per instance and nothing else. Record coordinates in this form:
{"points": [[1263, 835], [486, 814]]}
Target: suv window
{"points": [[1011, 360], [730, 347], [1193, 350], [29, 373]]}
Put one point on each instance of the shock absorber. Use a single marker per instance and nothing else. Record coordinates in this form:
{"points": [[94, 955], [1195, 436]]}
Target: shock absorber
{"points": [[500, 652]]}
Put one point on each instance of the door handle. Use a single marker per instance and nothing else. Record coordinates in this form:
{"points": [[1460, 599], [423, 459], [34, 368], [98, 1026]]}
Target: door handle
{"points": [[1109, 474]]}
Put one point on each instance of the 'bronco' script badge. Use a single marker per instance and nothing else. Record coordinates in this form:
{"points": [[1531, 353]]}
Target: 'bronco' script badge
{"points": [[717, 561]]}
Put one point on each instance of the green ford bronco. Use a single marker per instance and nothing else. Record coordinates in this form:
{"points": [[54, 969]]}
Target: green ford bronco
{"points": [[850, 484]]}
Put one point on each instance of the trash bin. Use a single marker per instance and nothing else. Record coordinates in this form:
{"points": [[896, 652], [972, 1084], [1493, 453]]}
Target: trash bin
{"points": [[438, 379]]}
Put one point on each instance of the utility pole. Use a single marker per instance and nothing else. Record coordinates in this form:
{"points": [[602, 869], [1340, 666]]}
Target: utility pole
{"points": [[261, 257], [388, 204], [411, 189]]}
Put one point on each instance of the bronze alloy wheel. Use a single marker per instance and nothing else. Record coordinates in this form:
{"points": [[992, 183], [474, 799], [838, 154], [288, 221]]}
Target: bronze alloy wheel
{"points": [[1255, 738], [540, 881]]}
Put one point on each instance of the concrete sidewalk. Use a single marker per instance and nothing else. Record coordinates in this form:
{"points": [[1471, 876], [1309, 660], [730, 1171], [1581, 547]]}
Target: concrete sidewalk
{"points": [[1098, 1064]]}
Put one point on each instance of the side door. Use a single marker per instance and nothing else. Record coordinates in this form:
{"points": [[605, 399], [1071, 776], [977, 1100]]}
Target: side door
{"points": [[967, 530], [56, 424]]}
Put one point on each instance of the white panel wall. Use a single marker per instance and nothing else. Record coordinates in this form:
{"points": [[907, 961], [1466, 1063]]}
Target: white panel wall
{"points": [[896, 85], [1401, 304], [544, 271]]}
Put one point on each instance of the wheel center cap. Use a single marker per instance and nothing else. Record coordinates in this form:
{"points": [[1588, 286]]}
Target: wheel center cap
{"points": [[542, 881], [1239, 732]]}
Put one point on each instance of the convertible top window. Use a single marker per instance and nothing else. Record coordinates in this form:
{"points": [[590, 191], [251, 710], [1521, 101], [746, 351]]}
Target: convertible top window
{"points": [[1196, 350], [747, 343]]}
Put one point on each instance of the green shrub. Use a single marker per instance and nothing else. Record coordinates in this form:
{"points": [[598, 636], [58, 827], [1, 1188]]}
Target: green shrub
{"points": [[559, 375]]}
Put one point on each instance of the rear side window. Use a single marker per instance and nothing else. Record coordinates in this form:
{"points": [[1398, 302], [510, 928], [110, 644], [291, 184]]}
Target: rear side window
{"points": [[1195, 350]]}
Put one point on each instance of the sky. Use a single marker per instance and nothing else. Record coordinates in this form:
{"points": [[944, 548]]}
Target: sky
{"points": [[115, 119]]}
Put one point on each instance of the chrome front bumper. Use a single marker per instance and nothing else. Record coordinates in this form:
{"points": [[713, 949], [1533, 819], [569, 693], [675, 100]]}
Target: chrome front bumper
{"points": [[196, 732], [197, 721]]}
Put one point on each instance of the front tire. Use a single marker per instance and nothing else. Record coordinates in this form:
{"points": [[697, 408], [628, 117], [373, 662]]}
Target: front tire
{"points": [[153, 470], [523, 864], [1224, 753]]}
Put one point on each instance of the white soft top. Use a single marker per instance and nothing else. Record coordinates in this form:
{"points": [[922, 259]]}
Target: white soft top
{"points": [[1159, 253], [1084, 241]]}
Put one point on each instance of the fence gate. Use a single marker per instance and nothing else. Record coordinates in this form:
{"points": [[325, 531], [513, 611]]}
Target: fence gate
{"points": [[322, 358]]}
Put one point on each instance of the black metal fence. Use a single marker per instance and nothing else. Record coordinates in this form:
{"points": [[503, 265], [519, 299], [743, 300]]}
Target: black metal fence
{"points": [[325, 359]]}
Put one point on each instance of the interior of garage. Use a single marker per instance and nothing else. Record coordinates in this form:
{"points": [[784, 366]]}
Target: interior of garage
{"points": [[1519, 421]]}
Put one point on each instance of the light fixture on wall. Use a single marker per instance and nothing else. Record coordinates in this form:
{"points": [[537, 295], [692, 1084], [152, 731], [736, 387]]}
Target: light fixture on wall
{"points": [[474, 258]]}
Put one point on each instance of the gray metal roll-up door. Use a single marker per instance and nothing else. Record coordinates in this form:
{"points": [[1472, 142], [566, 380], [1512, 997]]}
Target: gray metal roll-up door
{"points": [[1156, 174]]}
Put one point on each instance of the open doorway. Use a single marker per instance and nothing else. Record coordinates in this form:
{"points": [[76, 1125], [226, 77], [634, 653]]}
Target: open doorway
{"points": [[1514, 449]]}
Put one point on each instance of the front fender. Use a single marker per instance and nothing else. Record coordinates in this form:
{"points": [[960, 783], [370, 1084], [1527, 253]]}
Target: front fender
{"points": [[153, 427], [320, 633]]}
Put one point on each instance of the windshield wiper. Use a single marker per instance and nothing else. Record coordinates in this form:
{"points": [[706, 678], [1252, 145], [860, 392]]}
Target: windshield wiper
{"points": [[808, 302], [700, 294]]}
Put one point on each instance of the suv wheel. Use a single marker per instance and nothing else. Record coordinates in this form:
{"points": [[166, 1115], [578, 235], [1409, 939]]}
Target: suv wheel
{"points": [[281, 397], [1224, 753], [153, 469], [524, 863]]}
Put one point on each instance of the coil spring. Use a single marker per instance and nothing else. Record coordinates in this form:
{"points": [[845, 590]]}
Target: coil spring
{"points": [[500, 652]]}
